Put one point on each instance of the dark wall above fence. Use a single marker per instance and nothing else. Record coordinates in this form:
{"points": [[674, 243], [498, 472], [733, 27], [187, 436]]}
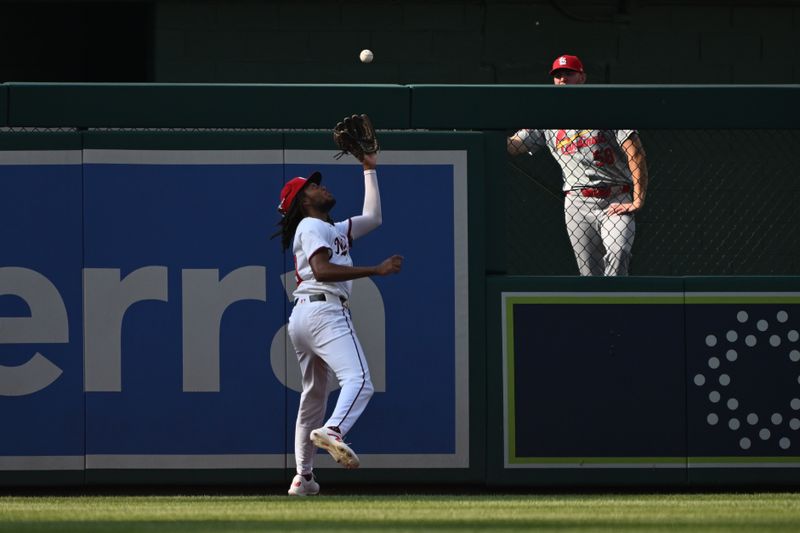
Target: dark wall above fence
{"points": [[471, 41], [204, 106], [445, 107], [605, 106]]}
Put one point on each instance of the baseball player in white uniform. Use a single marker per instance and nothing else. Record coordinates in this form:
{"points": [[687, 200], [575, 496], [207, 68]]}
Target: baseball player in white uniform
{"points": [[605, 182], [320, 325]]}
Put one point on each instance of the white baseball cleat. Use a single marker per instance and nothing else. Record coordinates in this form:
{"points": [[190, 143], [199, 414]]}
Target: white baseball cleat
{"points": [[301, 487], [331, 441]]}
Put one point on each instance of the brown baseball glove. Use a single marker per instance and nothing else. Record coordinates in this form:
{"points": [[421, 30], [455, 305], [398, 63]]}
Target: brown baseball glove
{"points": [[355, 135]]}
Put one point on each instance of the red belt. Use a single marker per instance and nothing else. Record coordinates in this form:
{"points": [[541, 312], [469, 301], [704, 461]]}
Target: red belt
{"points": [[600, 192]]}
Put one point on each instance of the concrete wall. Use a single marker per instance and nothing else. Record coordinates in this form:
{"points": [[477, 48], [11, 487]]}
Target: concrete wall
{"points": [[471, 41]]}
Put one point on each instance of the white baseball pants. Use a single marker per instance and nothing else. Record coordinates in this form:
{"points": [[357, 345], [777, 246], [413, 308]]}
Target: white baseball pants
{"points": [[324, 338]]}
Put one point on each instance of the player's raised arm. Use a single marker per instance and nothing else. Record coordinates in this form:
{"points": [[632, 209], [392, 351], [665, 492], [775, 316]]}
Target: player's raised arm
{"points": [[371, 216]]}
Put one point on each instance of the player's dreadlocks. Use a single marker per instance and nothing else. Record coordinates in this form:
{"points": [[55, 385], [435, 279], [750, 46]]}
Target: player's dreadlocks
{"points": [[288, 224]]}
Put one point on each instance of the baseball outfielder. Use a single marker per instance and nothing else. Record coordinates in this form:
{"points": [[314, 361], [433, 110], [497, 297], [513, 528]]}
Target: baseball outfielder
{"points": [[605, 182], [320, 325]]}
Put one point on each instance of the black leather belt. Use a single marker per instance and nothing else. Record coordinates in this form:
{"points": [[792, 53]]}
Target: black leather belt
{"points": [[321, 297]]}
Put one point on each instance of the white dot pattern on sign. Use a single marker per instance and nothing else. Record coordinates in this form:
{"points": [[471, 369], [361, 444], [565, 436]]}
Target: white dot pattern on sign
{"points": [[732, 355]]}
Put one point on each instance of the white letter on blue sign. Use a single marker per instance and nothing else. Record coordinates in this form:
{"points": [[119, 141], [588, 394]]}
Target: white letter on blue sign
{"points": [[105, 300], [47, 324], [205, 299]]}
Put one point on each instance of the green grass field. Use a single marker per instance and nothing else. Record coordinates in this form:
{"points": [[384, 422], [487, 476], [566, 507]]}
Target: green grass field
{"points": [[763, 512]]}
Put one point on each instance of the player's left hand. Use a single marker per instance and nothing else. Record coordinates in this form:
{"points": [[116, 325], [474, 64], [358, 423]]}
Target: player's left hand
{"points": [[621, 208], [390, 265]]}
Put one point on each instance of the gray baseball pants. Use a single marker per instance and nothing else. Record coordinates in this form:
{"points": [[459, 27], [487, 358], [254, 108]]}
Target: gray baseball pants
{"points": [[602, 243]]}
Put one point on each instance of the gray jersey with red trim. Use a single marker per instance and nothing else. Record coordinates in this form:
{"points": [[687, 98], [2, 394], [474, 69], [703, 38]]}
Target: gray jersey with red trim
{"points": [[311, 237], [588, 158]]}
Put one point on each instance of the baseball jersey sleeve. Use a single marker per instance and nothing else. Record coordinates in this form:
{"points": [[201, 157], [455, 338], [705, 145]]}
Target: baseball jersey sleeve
{"points": [[622, 135], [532, 139]]}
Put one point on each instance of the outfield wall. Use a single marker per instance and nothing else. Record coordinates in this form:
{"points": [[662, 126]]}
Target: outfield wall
{"points": [[143, 306], [657, 381]]}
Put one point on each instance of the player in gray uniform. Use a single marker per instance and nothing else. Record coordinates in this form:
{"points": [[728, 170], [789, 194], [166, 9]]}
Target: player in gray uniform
{"points": [[320, 325], [605, 183]]}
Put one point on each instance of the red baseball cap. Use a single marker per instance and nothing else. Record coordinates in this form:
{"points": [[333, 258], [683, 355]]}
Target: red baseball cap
{"points": [[292, 187], [567, 62]]}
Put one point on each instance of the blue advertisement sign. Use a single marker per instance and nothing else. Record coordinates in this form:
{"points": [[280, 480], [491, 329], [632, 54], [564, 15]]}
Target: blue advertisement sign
{"points": [[177, 301], [177, 321], [41, 378]]}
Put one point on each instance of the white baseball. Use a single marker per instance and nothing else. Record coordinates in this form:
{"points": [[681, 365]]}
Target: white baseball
{"points": [[366, 56]]}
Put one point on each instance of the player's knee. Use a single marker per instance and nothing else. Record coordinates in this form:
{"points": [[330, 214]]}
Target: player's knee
{"points": [[314, 395], [368, 389]]}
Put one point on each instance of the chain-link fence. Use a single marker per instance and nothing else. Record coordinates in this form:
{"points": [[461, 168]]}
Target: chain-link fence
{"points": [[716, 202]]}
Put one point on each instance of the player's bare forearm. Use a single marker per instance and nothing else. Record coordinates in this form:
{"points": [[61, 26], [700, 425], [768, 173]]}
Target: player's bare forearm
{"points": [[637, 163], [325, 271], [640, 187], [638, 166]]}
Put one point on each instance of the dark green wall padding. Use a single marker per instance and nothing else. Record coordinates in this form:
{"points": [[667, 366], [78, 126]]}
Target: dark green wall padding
{"points": [[445, 107]]}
